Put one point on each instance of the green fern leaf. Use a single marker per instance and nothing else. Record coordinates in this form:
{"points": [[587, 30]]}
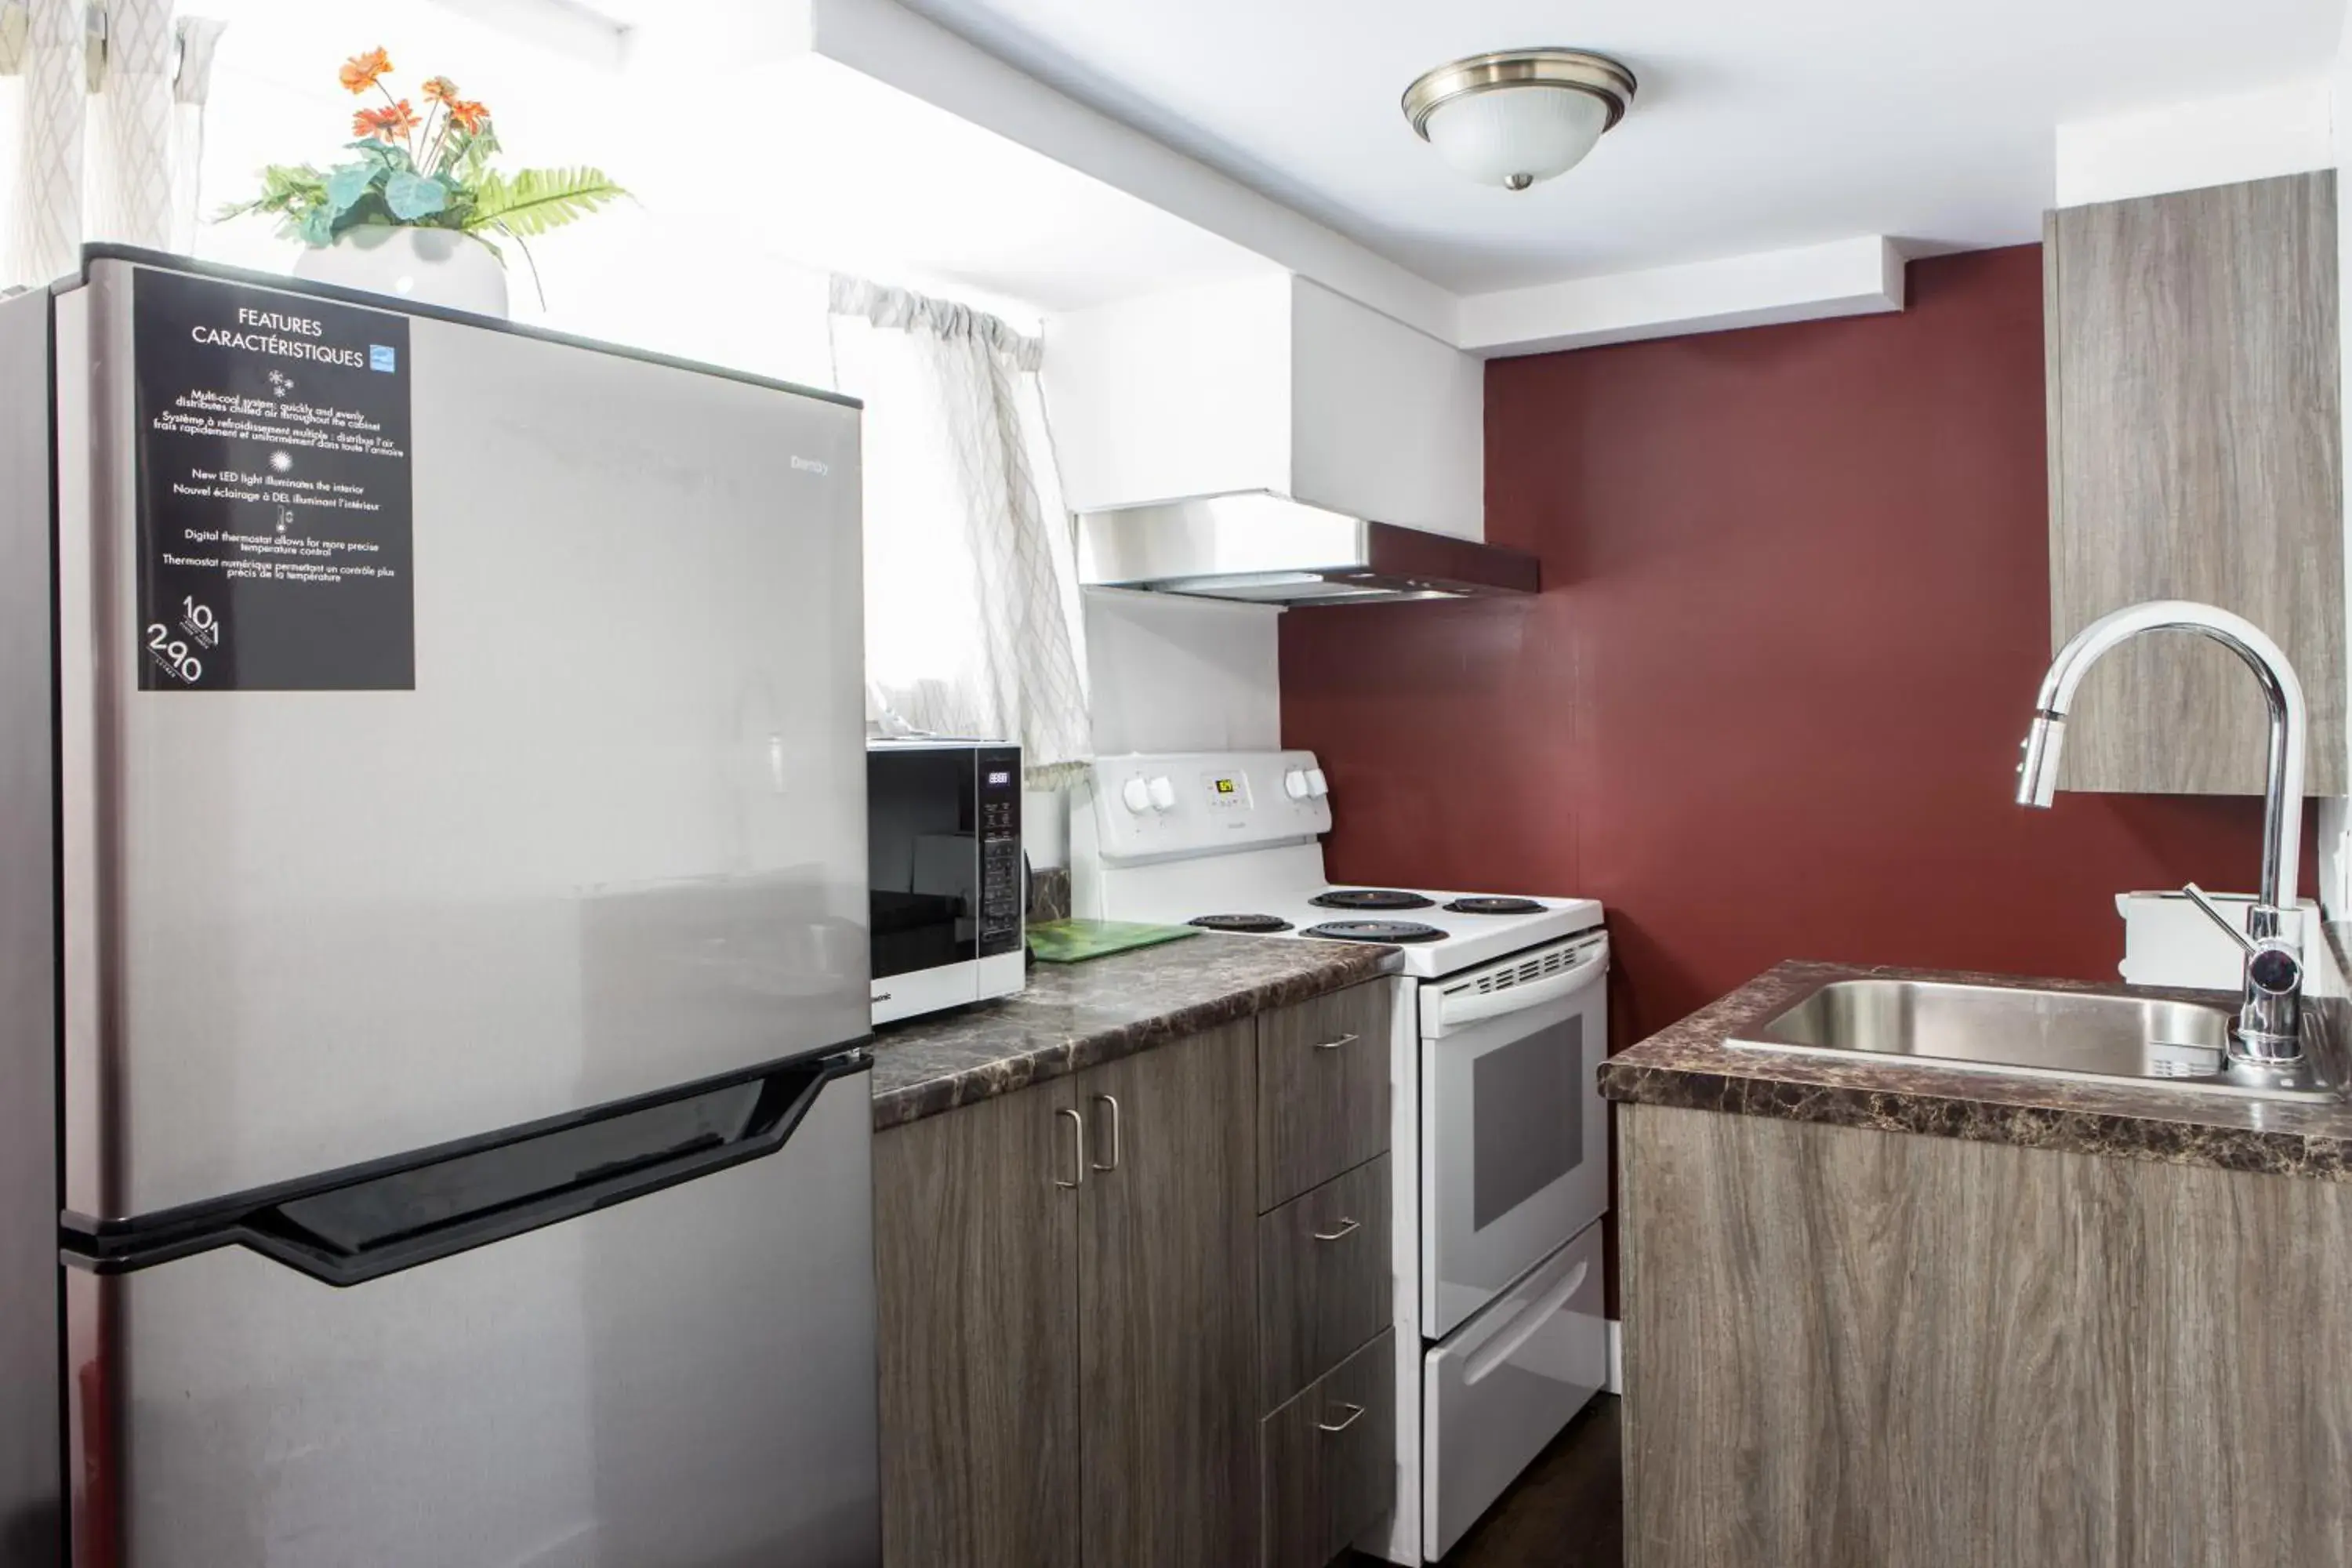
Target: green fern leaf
{"points": [[529, 203]]}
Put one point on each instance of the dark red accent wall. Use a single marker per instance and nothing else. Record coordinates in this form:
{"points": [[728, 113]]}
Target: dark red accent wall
{"points": [[1768, 704]]}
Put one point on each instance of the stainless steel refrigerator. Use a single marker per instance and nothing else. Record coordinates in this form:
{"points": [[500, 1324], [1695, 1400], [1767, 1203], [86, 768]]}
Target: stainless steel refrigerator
{"points": [[432, 941]]}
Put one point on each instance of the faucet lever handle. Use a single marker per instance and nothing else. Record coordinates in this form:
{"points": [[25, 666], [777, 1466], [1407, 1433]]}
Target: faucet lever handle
{"points": [[2197, 896]]}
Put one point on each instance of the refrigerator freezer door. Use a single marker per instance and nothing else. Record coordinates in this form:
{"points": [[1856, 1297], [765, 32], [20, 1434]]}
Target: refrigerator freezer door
{"points": [[612, 841], [684, 1379]]}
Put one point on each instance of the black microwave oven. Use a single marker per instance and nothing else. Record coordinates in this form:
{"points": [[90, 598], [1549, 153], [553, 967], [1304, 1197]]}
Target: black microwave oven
{"points": [[943, 873]]}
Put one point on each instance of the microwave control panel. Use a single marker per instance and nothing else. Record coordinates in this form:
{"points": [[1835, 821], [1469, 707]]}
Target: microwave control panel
{"points": [[997, 781]]}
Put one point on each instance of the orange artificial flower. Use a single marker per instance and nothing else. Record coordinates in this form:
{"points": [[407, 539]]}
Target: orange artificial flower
{"points": [[470, 114], [385, 124], [440, 90], [360, 72]]}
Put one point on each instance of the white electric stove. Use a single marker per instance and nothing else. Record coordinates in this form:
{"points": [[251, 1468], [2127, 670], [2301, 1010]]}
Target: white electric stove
{"points": [[1500, 1141]]}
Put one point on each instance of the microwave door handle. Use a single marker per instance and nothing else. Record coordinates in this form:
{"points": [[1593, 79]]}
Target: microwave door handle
{"points": [[1472, 1006]]}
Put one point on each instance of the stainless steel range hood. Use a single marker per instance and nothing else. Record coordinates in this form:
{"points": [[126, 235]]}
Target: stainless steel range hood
{"points": [[1269, 549]]}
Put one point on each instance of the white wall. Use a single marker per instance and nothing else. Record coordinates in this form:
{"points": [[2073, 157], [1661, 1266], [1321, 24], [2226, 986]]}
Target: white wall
{"points": [[1175, 674]]}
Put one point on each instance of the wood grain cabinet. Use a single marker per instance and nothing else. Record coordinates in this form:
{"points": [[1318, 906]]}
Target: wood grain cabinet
{"points": [[1068, 1335], [976, 1286], [2195, 452], [1104, 1344], [1168, 1307], [1854, 1349]]}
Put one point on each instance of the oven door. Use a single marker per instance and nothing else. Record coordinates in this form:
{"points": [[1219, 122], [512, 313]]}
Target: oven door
{"points": [[1515, 1139]]}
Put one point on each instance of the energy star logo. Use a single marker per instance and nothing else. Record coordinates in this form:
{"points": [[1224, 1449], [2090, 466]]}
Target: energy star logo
{"points": [[381, 357], [810, 466]]}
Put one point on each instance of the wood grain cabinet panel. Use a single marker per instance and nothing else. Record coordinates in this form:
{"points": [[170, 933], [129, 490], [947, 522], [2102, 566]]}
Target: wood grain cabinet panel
{"points": [[976, 1274], [2195, 452], [1323, 1090], [1168, 1306], [1330, 1461], [1854, 1349], [1325, 1279]]}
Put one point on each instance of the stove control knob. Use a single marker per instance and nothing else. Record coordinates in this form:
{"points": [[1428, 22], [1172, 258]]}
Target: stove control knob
{"points": [[1136, 796], [1294, 783], [1317, 784], [1163, 794]]}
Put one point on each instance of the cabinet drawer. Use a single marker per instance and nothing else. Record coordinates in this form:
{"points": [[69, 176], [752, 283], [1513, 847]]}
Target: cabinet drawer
{"points": [[1324, 1279], [1330, 1461], [1322, 1089]]}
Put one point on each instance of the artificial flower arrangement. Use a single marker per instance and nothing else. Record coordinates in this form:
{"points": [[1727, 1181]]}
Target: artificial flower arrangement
{"points": [[425, 171]]}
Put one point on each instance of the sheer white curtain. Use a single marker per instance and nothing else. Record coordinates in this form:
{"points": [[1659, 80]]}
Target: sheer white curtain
{"points": [[106, 162], [971, 597]]}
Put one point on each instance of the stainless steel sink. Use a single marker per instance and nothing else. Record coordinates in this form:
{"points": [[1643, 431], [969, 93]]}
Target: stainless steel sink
{"points": [[1995, 1029]]}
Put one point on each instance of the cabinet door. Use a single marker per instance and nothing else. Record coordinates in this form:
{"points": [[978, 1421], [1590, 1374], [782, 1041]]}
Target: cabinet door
{"points": [[975, 1257], [2195, 452], [1168, 1306]]}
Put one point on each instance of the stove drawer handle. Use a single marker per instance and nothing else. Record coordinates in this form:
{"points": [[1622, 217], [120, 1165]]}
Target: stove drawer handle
{"points": [[1335, 1045]]}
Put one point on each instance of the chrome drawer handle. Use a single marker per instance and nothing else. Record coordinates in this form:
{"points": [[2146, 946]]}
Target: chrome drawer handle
{"points": [[1335, 1045], [1355, 1414], [1347, 1228]]}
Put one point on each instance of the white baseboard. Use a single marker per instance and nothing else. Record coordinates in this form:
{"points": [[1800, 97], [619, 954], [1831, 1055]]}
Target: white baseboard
{"points": [[1616, 1383]]}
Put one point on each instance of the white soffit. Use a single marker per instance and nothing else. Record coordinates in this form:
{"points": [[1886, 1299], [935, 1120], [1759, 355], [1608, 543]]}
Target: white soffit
{"points": [[2283, 130], [1847, 278], [895, 147]]}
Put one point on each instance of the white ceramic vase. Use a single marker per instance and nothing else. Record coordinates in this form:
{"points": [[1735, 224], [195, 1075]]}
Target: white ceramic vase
{"points": [[429, 266]]}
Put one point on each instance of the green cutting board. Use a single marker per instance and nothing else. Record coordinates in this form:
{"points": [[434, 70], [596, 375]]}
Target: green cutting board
{"points": [[1074, 942]]}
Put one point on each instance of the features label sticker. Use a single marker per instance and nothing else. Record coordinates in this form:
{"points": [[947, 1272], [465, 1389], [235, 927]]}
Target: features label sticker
{"points": [[275, 491]]}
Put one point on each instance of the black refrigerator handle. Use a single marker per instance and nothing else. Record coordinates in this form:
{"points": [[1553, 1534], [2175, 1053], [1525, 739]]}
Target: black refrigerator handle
{"points": [[353, 1231]]}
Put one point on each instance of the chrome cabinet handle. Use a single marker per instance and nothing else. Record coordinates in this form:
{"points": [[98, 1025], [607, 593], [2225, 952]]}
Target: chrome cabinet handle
{"points": [[1355, 1414], [1112, 1165], [1335, 1045], [1347, 1228], [1077, 1148]]}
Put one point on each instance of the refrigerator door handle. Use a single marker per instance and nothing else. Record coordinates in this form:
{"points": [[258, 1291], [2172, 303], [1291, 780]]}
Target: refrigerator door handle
{"points": [[348, 1229]]}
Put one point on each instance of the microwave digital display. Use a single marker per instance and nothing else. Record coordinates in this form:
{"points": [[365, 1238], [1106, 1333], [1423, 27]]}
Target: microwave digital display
{"points": [[999, 780]]}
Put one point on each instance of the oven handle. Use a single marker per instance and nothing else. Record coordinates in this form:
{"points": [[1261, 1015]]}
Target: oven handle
{"points": [[1469, 1007], [1508, 1343]]}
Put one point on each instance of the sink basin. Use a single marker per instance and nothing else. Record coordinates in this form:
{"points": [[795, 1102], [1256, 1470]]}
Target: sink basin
{"points": [[2015, 1029]]}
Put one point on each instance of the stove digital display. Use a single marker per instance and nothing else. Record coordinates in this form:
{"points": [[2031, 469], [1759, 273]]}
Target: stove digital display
{"points": [[1225, 791]]}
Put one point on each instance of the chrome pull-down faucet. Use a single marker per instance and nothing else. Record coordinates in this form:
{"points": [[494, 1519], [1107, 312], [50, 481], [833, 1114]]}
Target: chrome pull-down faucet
{"points": [[2269, 1028]]}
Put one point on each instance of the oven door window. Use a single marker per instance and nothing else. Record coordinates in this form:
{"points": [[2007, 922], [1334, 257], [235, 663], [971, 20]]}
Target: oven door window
{"points": [[922, 858], [1528, 1115]]}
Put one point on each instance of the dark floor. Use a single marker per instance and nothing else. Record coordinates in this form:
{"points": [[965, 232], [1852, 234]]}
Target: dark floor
{"points": [[1567, 1511]]}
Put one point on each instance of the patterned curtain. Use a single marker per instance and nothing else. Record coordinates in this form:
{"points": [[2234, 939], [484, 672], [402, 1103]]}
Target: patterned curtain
{"points": [[100, 137], [970, 593]]}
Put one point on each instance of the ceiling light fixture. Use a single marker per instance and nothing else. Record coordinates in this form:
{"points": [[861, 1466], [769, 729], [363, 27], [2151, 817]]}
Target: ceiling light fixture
{"points": [[1518, 116]]}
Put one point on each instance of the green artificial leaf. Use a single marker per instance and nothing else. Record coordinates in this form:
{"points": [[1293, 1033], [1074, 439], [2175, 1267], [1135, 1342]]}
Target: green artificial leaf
{"points": [[316, 227], [346, 184], [411, 195], [534, 201]]}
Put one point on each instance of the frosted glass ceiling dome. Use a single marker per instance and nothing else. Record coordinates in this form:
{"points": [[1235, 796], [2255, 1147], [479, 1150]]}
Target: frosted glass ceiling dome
{"points": [[1512, 117]]}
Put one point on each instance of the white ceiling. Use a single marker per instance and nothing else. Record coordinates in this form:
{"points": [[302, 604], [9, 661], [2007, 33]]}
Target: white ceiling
{"points": [[1756, 127]]}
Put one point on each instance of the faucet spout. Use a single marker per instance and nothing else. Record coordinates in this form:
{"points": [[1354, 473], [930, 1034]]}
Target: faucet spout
{"points": [[2268, 1024]]}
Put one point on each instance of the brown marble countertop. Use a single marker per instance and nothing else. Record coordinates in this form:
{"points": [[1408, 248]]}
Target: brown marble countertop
{"points": [[1691, 1066], [1074, 1016]]}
